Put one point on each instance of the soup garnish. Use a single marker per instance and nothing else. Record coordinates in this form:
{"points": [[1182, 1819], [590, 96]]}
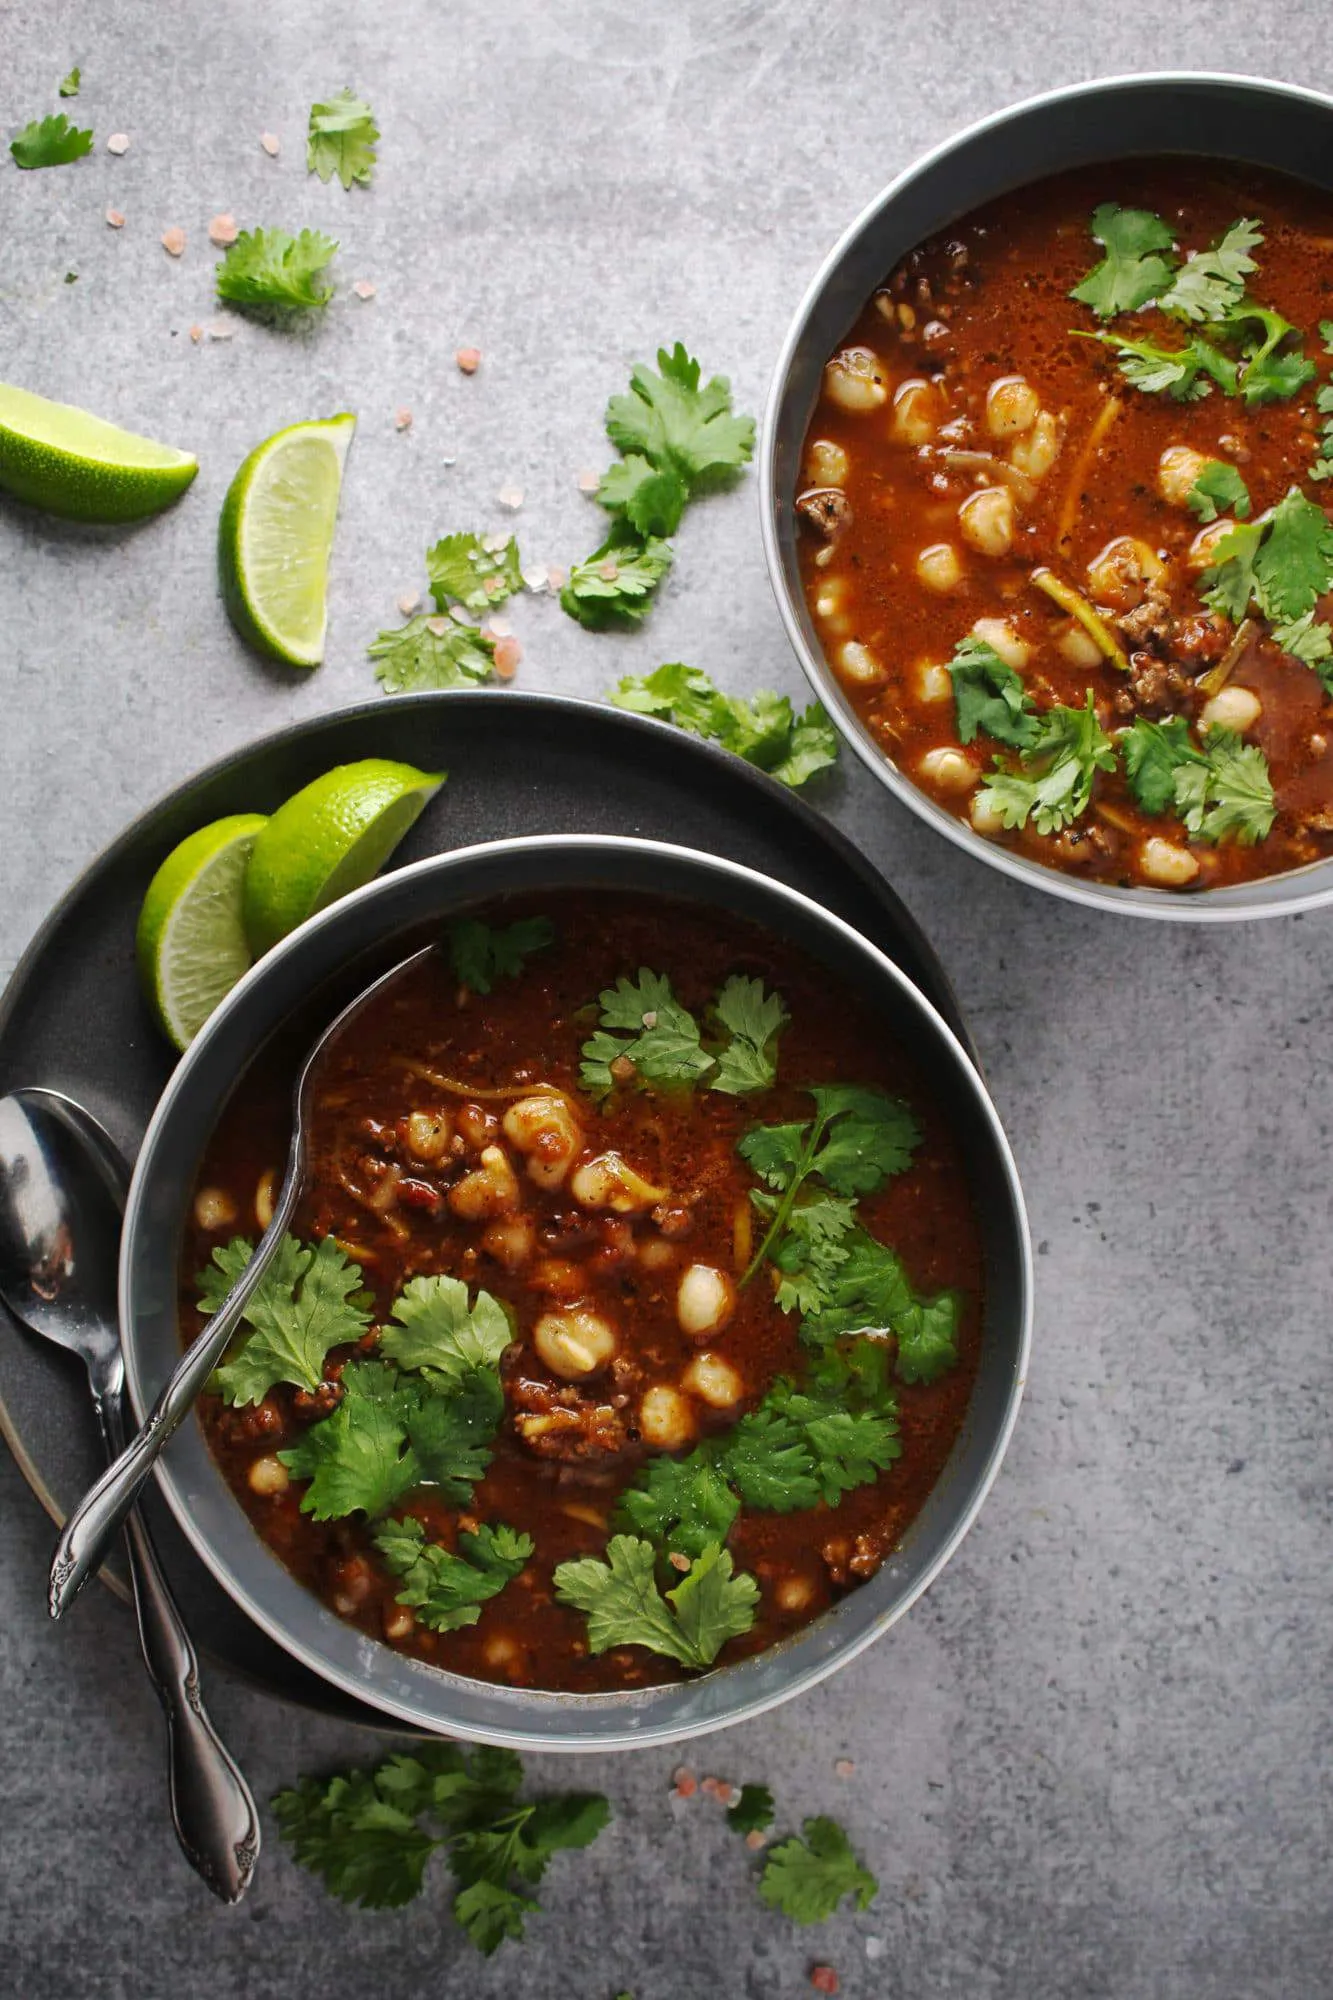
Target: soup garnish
{"points": [[618, 1334], [1076, 578]]}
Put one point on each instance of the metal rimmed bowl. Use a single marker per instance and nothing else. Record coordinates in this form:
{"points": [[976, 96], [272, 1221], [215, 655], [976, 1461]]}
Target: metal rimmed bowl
{"points": [[1272, 125], [350, 942]]}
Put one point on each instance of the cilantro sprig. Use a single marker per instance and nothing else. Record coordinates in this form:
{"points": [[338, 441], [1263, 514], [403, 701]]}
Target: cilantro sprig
{"points": [[432, 652], [690, 1623], [645, 1035], [69, 85], [1219, 489], [1053, 786], [50, 142], [857, 1138], [447, 1588], [369, 1836], [475, 571], [990, 695], [1323, 465], [764, 729], [679, 437], [482, 953], [1220, 788], [1235, 344], [1280, 564], [306, 1303], [808, 1875], [341, 140], [267, 268]]}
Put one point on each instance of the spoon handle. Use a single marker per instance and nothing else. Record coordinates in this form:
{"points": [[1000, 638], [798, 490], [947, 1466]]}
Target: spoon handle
{"points": [[211, 1805], [89, 1531]]}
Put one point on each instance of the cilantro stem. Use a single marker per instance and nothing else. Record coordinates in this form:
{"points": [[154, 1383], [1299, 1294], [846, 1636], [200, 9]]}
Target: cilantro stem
{"points": [[782, 1213]]}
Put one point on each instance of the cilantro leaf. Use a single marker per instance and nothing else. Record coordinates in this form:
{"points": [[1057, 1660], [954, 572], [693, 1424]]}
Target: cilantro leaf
{"points": [[304, 1305], [927, 1336], [69, 85], [753, 1018], [267, 267], [1270, 372], [1230, 583], [867, 1137], [676, 425], [1054, 786], [1153, 752], [764, 729], [624, 1607], [683, 1504], [465, 569], [432, 652], [1133, 271], [436, 1328], [1309, 640], [1211, 282], [847, 1448], [450, 1430], [767, 1460], [865, 1289], [989, 694], [1323, 465], [342, 139], [1293, 566], [806, 1878], [363, 1834], [358, 1460], [1219, 487], [50, 142], [446, 1589], [364, 1848], [480, 954], [752, 1810], [1185, 373], [1239, 798], [663, 1037], [615, 585], [652, 498]]}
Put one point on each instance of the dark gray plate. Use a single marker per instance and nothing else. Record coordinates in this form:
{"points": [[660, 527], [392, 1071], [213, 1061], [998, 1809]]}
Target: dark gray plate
{"points": [[72, 1017]]}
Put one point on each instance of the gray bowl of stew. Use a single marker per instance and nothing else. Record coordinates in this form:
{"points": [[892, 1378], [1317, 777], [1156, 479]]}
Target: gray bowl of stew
{"points": [[658, 1236], [1046, 469]]}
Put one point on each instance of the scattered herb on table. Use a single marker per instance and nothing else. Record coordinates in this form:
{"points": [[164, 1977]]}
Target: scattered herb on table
{"points": [[269, 268], [69, 85], [50, 142], [764, 728], [752, 1810], [369, 1836], [342, 139], [808, 1875], [690, 1623], [481, 953], [679, 437], [432, 652], [475, 571], [645, 1036]]}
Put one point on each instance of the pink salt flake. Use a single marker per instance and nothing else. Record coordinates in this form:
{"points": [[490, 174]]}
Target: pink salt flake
{"points": [[508, 653], [468, 359], [824, 1979], [196, 334], [408, 602], [173, 241], [271, 143], [556, 577], [843, 1767], [510, 497], [756, 1840], [115, 220], [588, 482], [222, 230], [118, 143], [685, 1782], [364, 289], [402, 419]]}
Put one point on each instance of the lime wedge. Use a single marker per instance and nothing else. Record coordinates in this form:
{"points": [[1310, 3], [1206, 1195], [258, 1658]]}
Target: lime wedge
{"points": [[275, 535], [70, 463], [191, 943], [328, 839]]}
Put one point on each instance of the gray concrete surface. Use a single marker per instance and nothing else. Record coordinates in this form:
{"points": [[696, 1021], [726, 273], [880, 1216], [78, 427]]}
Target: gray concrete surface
{"points": [[1094, 1761]]}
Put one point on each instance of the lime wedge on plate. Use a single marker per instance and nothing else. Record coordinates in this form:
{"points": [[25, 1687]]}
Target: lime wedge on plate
{"points": [[191, 943], [70, 463], [275, 535], [328, 839]]}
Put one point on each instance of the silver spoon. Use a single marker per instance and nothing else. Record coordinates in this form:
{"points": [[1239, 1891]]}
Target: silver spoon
{"points": [[88, 1531], [62, 1194]]}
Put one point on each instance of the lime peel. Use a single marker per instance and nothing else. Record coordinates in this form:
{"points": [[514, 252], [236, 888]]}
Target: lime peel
{"points": [[190, 943], [275, 537], [71, 463]]}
